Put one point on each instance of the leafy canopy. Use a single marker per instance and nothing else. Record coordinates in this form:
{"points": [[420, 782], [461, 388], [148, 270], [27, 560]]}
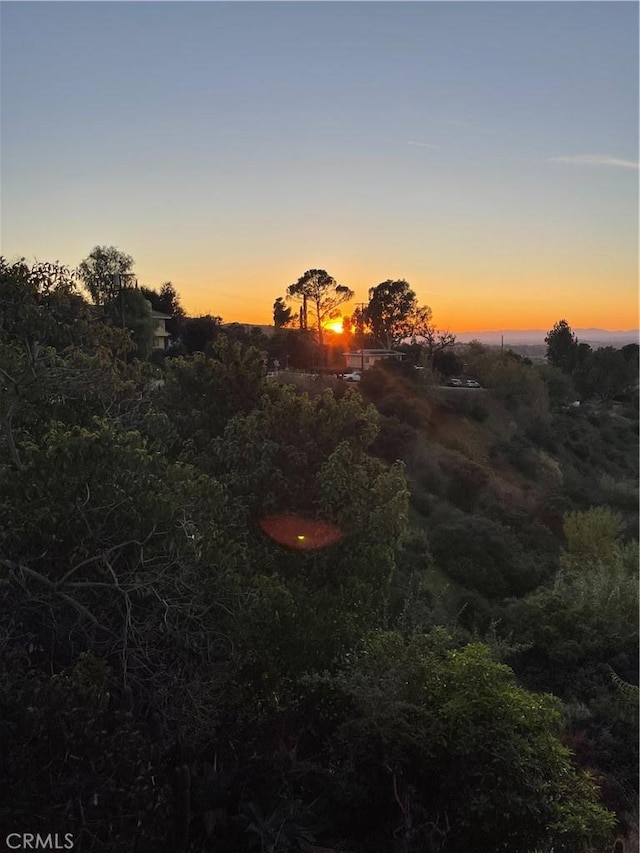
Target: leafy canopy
{"points": [[562, 347], [281, 313], [99, 267], [444, 737], [393, 314]]}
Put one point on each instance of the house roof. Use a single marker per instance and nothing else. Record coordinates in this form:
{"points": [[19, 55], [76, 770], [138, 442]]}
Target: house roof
{"points": [[158, 315]]}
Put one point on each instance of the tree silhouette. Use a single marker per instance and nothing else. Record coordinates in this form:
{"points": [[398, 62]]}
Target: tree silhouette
{"points": [[97, 271], [562, 347], [281, 313], [320, 290], [393, 314]]}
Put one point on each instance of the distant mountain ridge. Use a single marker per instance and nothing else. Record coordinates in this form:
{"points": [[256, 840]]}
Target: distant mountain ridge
{"points": [[513, 337], [597, 337]]}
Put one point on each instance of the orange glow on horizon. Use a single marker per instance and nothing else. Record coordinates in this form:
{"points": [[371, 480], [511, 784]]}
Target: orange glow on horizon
{"points": [[461, 302], [463, 317]]}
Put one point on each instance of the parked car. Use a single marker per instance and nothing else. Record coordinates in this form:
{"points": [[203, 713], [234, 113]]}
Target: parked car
{"points": [[454, 383], [353, 376], [472, 383]]}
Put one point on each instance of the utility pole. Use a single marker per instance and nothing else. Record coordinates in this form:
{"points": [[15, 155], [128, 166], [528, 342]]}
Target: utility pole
{"points": [[361, 324], [116, 283], [119, 287]]}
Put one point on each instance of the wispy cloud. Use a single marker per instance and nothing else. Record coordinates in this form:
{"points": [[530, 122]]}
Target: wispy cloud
{"points": [[594, 160], [455, 122], [422, 144]]}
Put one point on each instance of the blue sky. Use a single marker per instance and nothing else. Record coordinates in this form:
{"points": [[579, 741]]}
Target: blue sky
{"points": [[486, 152]]}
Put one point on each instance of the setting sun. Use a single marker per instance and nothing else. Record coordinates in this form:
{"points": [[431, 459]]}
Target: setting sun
{"points": [[336, 326]]}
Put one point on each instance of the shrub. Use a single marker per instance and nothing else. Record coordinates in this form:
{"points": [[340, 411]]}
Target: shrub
{"points": [[100, 760], [541, 433], [475, 613], [393, 440], [469, 405], [485, 556], [466, 483], [519, 452], [559, 386], [424, 470], [402, 407], [442, 750]]}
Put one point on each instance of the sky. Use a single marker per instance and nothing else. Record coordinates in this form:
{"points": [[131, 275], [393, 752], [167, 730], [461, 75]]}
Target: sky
{"points": [[486, 152]]}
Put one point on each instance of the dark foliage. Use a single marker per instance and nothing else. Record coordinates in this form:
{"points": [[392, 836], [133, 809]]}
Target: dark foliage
{"points": [[394, 439], [199, 333], [173, 679], [485, 556]]}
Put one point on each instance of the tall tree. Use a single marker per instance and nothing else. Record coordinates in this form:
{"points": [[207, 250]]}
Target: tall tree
{"points": [[170, 301], [199, 333], [122, 302], [97, 271], [358, 328], [393, 314], [40, 312], [131, 310], [562, 347], [167, 301], [436, 341], [320, 290], [447, 362], [390, 304], [281, 313]]}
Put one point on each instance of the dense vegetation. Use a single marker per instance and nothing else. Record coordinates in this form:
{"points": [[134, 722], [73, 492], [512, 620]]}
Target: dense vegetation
{"points": [[455, 673]]}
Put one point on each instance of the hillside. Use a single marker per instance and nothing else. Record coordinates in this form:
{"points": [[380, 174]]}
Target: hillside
{"points": [[239, 614], [494, 474], [523, 520]]}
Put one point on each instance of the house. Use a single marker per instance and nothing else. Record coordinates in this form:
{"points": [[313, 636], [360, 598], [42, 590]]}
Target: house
{"points": [[359, 359], [160, 334]]}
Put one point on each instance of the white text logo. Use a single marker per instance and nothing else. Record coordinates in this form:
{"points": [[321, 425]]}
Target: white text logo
{"points": [[35, 841]]}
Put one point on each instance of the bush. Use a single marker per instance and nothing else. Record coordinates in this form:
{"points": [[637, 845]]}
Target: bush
{"points": [[442, 750], [469, 404], [541, 433], [475, 613], [477, 411], [519, 452], [485, 556], [466, 483], [314, 386], [424, 470], [393, 440], [403, 408], [100, 761], [560, 388]]}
